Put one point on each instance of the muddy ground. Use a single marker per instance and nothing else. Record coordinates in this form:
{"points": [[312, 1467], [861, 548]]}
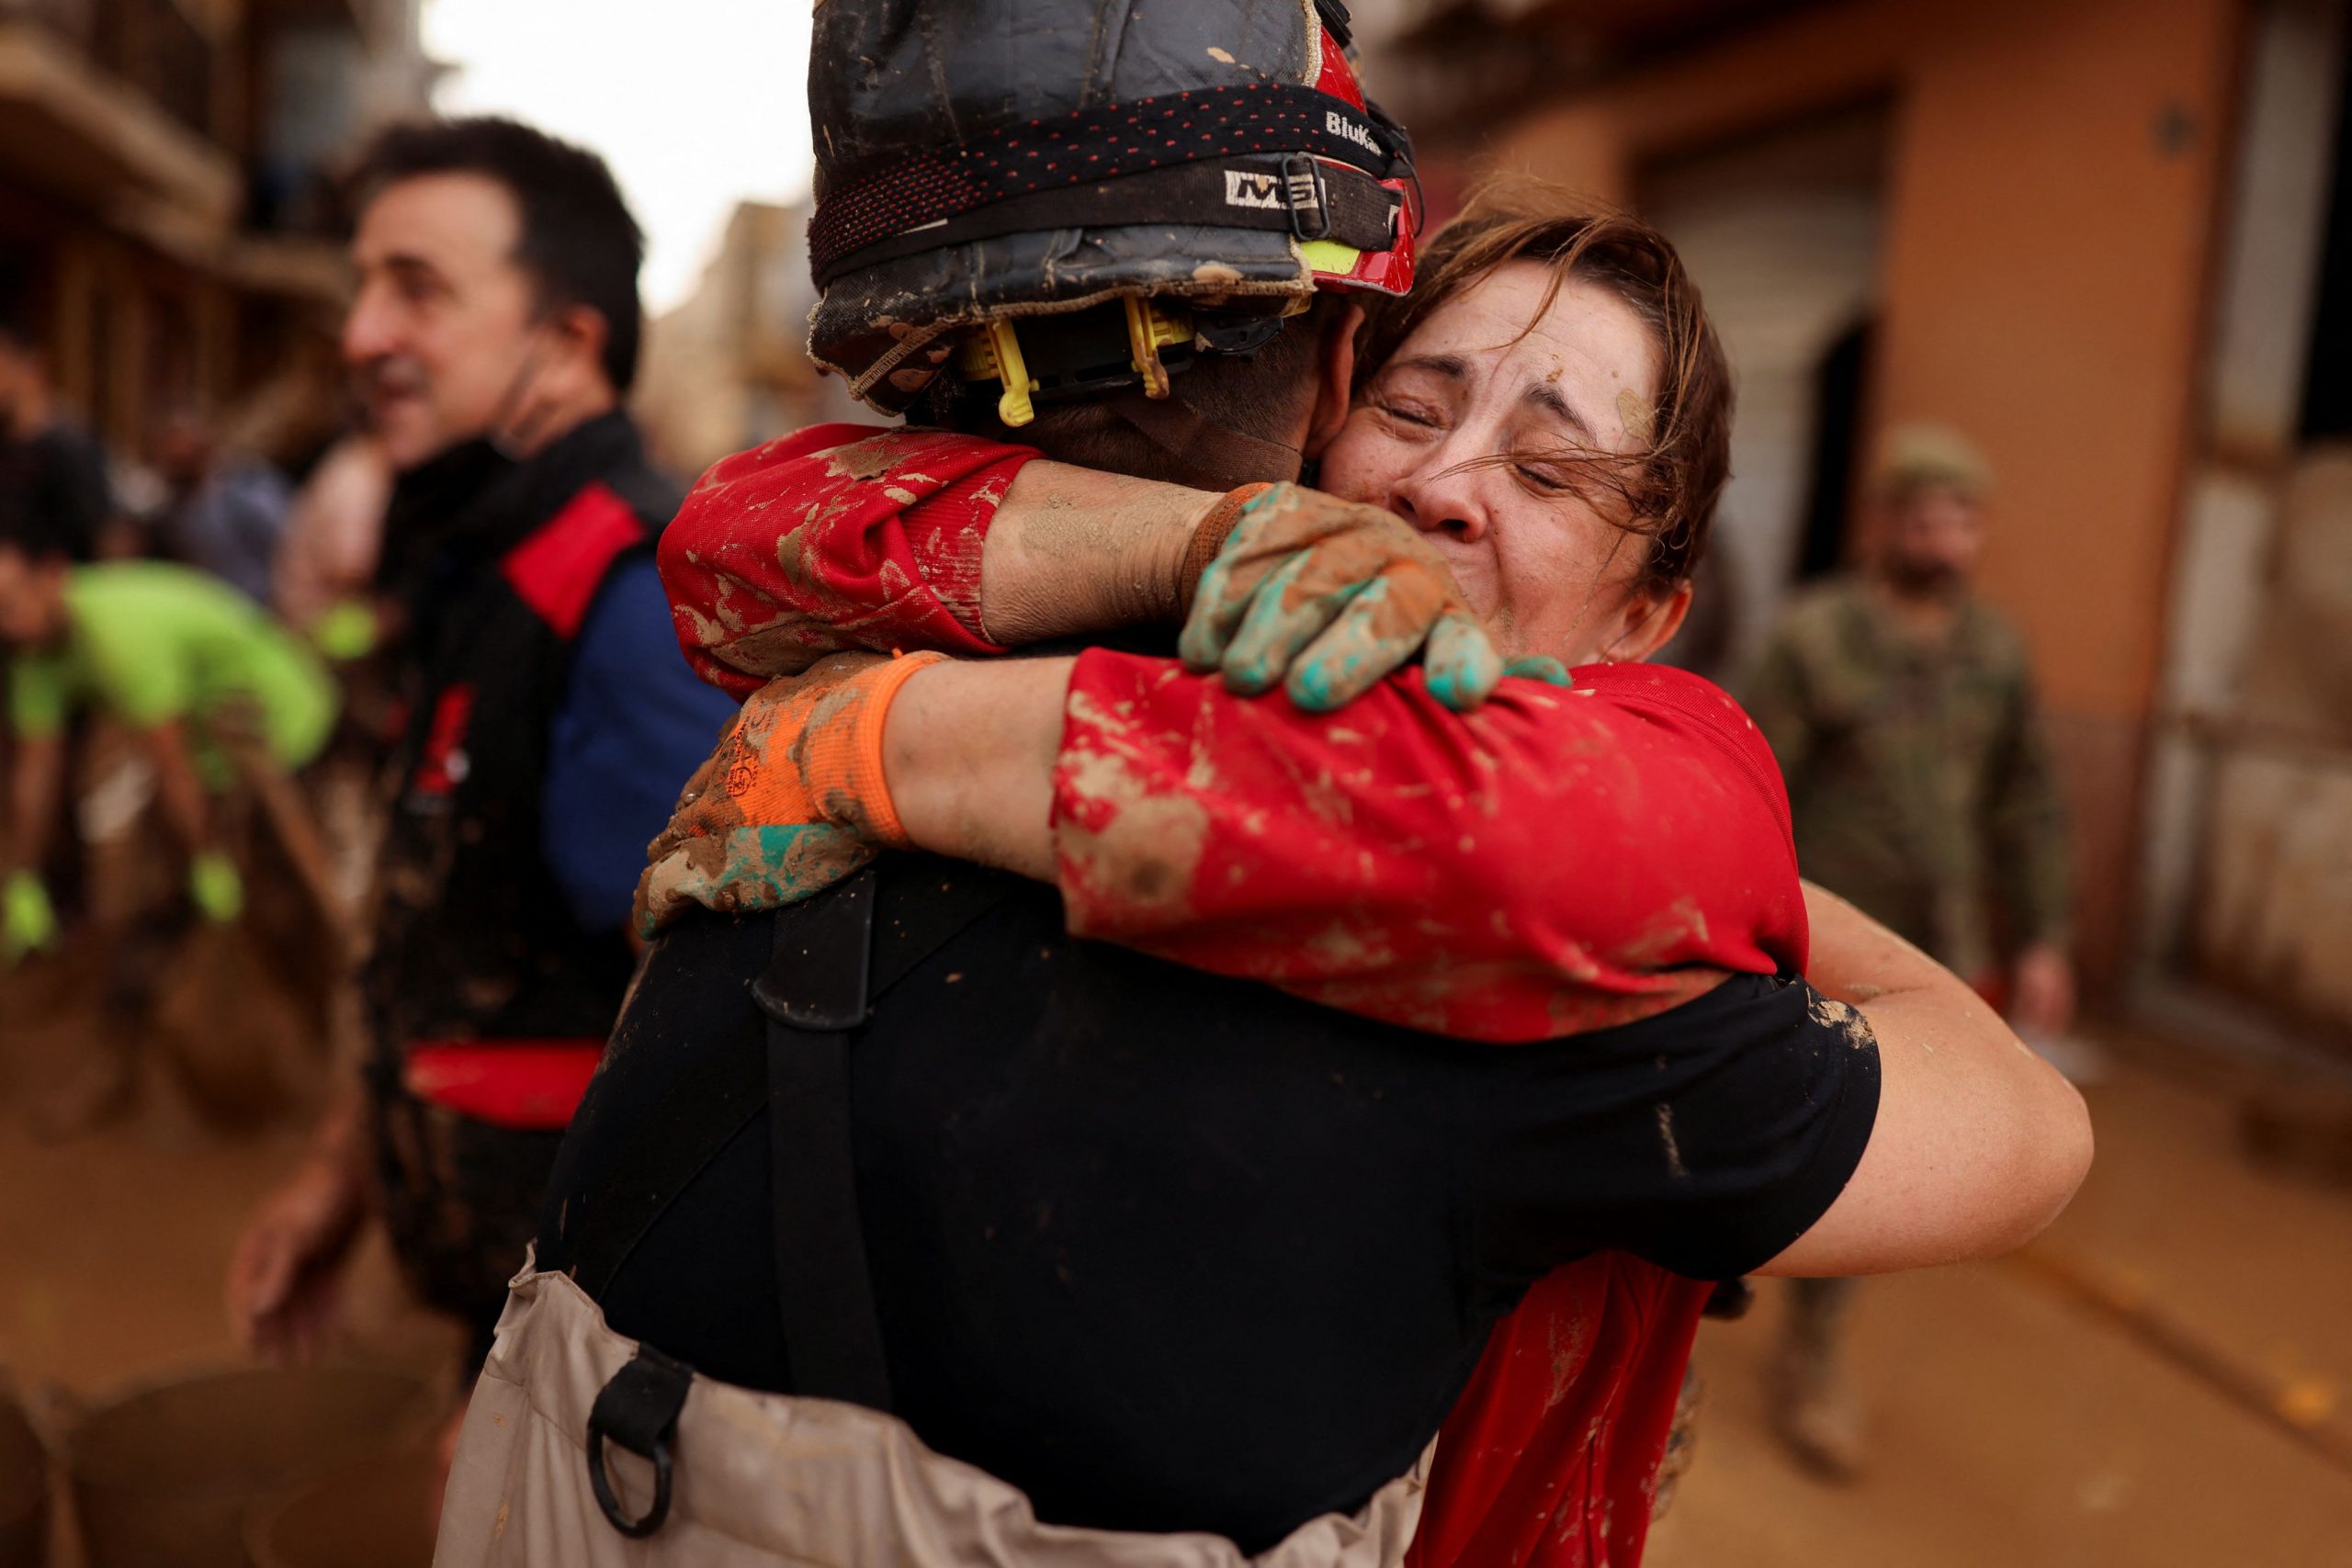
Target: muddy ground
{"points": [[2166, 1379], [121, 1194]]}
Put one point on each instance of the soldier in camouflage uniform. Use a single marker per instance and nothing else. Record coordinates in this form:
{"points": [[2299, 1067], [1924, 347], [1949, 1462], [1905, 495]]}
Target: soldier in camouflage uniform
{"points": [[1902, 710]]}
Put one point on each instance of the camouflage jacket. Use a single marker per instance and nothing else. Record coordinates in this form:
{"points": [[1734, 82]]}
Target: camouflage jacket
{"points": [[1920, 775]]}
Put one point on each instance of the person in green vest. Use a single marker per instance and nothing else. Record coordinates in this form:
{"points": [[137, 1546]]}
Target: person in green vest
{"points": [[220, 693]]}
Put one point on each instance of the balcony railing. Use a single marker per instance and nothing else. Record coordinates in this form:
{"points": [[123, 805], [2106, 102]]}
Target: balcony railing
{"points": [[151, 45]]}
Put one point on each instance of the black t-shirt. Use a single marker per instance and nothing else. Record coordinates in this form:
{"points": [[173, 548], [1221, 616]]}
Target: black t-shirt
{"points": [[1174, 1252], [54, 491]]}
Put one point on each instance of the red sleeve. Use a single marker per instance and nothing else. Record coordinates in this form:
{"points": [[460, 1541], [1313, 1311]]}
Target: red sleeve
{"points": [[1556, 862], [838, 537]]}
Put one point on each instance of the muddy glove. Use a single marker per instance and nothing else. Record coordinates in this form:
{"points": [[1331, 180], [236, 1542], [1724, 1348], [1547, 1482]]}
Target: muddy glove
{"points": [[1326, 597], [28, 923], [214, 886], [793, 800]]}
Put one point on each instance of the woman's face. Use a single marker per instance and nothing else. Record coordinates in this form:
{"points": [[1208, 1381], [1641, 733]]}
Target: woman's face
{"points": [[1538, 548]]}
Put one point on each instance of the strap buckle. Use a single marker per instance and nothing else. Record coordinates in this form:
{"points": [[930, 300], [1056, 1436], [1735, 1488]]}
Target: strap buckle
{"points": [[1311, 215], [638, 1410]]}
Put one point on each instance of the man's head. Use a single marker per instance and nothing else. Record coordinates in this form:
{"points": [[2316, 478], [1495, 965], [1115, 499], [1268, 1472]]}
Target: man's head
{"points": [[497, 287], [1229, 419], [32, 594], [1929, 491], [1010, 216], [181, 449]]}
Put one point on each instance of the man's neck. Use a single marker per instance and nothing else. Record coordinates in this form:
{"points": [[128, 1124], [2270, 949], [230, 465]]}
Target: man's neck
{"points": [[558, 420]]}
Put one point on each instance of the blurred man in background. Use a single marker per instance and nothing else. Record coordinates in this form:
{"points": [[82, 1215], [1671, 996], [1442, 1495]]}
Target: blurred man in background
{"points": [[54, 490], [551, 720], [1902, 709], [227, 511]]}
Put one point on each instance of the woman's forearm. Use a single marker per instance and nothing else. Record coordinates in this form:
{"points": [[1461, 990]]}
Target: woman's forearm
{"points": [[1073, 551], [1978, 1144], [845, 536], [969, 754]]}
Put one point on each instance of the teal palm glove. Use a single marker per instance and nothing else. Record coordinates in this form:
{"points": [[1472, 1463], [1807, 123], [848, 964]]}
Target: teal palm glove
{"points": [[214, 886], [28, 923], [1325, 598]]}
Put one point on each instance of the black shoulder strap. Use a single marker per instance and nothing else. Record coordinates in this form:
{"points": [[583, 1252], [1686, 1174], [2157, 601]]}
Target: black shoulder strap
{"points": [[817, 946], [814, 993]]}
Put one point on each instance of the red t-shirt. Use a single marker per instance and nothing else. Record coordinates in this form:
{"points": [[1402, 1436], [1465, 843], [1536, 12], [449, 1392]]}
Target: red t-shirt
{"points": [[1556, 861]]}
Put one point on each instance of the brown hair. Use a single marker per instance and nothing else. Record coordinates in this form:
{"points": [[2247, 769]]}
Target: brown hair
{"points": [[1671, 488]]}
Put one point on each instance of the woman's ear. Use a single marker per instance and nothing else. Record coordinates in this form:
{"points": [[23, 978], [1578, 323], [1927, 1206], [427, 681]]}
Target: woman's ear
{"points": [[1651, 621], [1335, 376]]}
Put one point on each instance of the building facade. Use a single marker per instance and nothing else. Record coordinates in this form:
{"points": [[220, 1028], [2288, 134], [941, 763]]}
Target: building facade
{"points": [[2095, 235], [729, 367], [164, 191]]}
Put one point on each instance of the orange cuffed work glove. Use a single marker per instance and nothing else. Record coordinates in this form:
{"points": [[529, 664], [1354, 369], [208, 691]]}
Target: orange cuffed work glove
{"points": [[792, 802], [1326, 597]]}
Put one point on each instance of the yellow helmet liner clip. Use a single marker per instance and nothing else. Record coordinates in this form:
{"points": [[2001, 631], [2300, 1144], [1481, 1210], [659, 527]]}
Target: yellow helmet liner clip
{"points": [[1149, 327], [993, 353]]}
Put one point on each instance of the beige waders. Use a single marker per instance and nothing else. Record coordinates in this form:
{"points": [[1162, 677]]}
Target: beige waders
{"points": [[772, 1479]]}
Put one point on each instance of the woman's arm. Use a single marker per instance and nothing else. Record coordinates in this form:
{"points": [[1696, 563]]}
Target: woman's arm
{"points": [[1552, 862], [1979, 1143], [1976, 1141], [852, 537], [836, 537], [845, 536]]}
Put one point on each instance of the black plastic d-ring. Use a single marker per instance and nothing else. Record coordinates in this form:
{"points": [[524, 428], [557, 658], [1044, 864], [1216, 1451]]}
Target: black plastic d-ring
{"points": [[635, 1529], [638, 1410]]}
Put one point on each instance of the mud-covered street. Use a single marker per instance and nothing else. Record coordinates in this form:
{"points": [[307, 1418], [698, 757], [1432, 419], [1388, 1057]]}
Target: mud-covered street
{"points": [[2162, 1379], [116, 1235]]}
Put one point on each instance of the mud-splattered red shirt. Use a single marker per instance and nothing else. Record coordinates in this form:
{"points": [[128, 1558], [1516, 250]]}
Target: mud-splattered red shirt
{"points": [[1556, 861], [838, 537]]}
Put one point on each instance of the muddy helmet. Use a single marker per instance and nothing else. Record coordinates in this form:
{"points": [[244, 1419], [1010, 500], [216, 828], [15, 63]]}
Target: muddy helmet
{"points": [[1043, 198]]}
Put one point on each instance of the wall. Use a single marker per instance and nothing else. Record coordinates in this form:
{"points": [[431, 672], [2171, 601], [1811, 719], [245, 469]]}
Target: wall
{"points": [[2052, 177], [1782, 235]]}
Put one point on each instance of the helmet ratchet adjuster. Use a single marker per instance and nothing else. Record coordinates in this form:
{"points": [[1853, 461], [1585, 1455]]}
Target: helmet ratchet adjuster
{"points": [[1055, 358]]}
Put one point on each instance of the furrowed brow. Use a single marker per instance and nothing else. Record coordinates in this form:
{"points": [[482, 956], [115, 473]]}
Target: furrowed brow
{"points": [[1453, 367], [1546, 396]]}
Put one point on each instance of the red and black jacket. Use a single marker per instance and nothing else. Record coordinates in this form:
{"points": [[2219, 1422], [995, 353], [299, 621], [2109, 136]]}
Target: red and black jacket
{"points": [[499, 565]]}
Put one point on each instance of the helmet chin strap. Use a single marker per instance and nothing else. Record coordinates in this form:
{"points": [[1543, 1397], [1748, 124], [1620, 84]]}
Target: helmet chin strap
{"points": [[1201, 452]]}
